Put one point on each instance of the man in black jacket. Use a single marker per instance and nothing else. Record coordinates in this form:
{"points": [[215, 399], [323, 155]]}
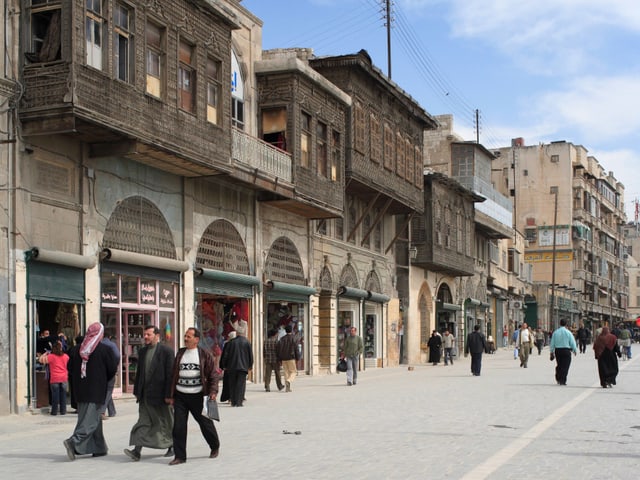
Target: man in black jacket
{"points": [[90, 367], [237, 360], [152, 389], [476, 345], [288, 354]]}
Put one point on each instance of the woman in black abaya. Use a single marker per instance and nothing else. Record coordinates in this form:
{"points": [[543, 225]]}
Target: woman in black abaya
{"points": [[607, 352]]}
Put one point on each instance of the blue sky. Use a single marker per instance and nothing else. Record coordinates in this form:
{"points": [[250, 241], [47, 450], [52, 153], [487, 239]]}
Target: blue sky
{"points": [[544, 70]]}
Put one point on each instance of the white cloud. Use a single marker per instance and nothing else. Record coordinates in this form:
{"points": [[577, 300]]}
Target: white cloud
{"points": [[545, 36], [598, 108]]}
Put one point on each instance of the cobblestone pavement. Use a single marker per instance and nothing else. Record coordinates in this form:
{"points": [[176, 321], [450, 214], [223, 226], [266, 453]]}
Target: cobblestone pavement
{"points": [[429, 422]]}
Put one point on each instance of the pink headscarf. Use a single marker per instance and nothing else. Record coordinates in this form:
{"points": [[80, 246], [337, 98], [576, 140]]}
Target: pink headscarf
{"points": [[92, 338]]}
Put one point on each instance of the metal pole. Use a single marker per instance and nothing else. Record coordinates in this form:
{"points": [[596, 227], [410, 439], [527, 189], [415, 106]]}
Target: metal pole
{"points": [[552, 316], [388, 10]]}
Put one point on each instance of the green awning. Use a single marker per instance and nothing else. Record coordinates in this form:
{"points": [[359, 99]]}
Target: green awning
{"points": [[350, 292], [288, 292], [451, 307], [55, 283], [377, 297], [218, 282]]}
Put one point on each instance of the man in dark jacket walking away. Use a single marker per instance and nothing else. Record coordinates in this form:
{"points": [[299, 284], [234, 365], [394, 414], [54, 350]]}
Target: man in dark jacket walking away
{"points": [[152, 389], [288, 354], [476, 345], [236, 361]]}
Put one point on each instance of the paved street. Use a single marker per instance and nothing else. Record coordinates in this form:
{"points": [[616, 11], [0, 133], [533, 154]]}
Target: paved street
{"points": [[431, 422]]}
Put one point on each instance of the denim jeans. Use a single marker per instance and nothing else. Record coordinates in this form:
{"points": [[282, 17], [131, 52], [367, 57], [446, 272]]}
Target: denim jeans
{"points": [[59, 398], [447, 356], [353, 364]]}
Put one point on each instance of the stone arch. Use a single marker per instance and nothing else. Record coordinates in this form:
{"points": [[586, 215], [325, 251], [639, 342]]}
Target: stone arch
{"points": [[222, 248], [425, 307], [349, 277], [137, 225], [326, 279], [372, 283], [283, 263]]}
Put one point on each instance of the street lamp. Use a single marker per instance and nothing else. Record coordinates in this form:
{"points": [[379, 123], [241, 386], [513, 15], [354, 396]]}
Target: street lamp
{"points": [[552, 317]]}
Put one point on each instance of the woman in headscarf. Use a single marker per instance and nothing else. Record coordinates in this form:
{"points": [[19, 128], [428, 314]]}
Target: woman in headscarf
{"points": [[91, 366], [606, 351], [434, 344]]}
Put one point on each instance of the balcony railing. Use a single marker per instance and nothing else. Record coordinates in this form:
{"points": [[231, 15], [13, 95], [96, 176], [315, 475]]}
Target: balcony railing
{"points": [[260, 155], [496, 205]]}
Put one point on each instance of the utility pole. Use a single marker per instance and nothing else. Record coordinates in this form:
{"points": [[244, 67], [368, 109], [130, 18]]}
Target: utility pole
{"points": [[552, 319], [477, 126], [388, 24]]}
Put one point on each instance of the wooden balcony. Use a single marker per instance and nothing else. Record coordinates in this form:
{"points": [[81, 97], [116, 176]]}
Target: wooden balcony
{"points": [[116, 118], [271, 171]]}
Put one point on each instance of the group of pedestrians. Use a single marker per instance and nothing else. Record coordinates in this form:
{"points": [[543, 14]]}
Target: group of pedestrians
{"points": [[167, 389]]}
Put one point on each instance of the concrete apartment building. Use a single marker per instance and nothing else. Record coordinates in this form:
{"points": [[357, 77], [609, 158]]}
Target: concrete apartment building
{"points": [[571, 212]]}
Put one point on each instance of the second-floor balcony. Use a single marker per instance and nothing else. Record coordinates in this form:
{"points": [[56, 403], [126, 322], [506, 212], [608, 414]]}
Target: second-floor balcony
{"points": [[495, 215], [270, 170]]}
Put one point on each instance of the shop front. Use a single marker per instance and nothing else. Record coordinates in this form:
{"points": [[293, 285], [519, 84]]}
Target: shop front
{"points": [[223, 304], [56, 300], [373, 331], [138, 290], [288, 304], [350, 314]]}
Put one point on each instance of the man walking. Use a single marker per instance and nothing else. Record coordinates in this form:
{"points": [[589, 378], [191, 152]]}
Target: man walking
{"points": [[287, 350], [561, 346], [583, 335], [448, 341], [476, 345], [237, 360], [152, 389], [271, 363], [525, 344], [91, 366], [353, 348], [194, 377]]}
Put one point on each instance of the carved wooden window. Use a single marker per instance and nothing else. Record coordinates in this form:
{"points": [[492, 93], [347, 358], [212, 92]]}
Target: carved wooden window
{"points": [[237, 93], [186, 77], [155, 57], [388, 148], [339, 228], [376, 139], [351, 219], [94, 27], [360, 128], [336, 148], [321, 149], [459, 232], [274, 127], [305, 140], [400, 157], [214, 72], [419, 171], [410, 161], [366, 225], [377, 231], [123, 45], [45, 31]]}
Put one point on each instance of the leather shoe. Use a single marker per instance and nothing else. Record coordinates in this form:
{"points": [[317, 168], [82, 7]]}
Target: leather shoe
{"points": [[176, 461], [214, 453]]}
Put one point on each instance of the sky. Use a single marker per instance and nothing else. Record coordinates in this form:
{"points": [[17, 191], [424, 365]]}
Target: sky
{"points": [[544, 70]]}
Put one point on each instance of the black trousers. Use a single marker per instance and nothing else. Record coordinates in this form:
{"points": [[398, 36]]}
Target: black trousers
{"points": [[563, 362], [183, 404], [476, 363]]}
